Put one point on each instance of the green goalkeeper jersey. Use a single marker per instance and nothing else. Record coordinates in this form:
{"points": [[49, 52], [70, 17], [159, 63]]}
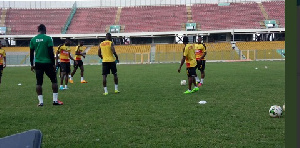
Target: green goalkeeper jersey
{"points": [[40, 44]]}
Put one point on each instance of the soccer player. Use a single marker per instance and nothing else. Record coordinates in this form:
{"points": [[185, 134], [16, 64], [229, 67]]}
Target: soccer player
{"points": [[190, 59], [78, 53], [2, 60], [107, 52], [65, 56], [42, 45], [200, 50]]}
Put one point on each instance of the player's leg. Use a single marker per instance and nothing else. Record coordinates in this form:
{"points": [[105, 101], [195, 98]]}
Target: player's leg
{"points": [[39, 73], [202, 71], [104, 85], [1, 71], [191, 78], [63, 67], [73, 72], [52, 76], [81, 72], [105, 72], [116, 79], [198, 67], [59, 69], [68, 69], [193, 75], [189, 81]]}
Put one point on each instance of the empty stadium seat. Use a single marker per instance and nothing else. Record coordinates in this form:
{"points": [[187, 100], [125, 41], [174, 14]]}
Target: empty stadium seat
{"points": [[234, 16], [26, 21], [92, 20], [153, 18], [124, 49], [262, 50], [276, 11]]}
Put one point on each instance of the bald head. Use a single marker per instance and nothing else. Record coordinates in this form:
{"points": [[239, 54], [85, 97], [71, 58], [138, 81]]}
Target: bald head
{"points": [[42, 29], [108, 36]]}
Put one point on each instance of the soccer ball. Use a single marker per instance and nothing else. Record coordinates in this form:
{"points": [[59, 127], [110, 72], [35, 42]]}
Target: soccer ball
{"points": [[183, 82], [275, 111]]}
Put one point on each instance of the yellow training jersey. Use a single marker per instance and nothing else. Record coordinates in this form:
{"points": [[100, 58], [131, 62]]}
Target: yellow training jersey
{"points": [[64, 53], [80, 50], [190, 57], [106, 51], [200, 49], [2, 55]]}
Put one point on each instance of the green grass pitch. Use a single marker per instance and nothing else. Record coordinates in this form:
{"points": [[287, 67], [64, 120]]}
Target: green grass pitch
{"points": [[151, 110]]}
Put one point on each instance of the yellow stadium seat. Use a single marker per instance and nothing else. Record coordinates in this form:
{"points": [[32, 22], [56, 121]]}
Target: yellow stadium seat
{"points": [[262, 49], [16, 49]]}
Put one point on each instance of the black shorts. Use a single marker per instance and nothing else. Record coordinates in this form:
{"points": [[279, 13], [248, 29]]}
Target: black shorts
{"points": [[80, 63], [1, 70], [40, 69], [191, 71], [109, 66], [65, 67], [201, 65]]}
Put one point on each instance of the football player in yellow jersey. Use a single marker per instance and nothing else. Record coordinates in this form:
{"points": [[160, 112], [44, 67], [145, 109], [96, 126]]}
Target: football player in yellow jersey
{"points": [[200, 50], [190, 59], [65, 56], [78, 54], [2, 60], [107, 52]]}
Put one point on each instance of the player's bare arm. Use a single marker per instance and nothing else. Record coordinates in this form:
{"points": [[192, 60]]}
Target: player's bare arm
{"points": [[51, 55], [72, 58], [83, 53], [77, 52], [31, 58], [114, 52], [57, 52], [4, 65], [99, 52], [181, 63], [203, 55]]}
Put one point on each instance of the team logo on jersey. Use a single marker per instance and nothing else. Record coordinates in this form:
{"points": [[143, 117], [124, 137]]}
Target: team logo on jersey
{"points": [[65, 52], [39, 40]]}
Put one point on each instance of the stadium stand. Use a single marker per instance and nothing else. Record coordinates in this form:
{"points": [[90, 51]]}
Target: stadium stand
{"points": [[148, 19], [263, 45], [128, 53], [16, 49], [92, 20], [169, 48], [221, 46], [276, 11], [168, 52], [25, 21], [124, 49], [234, 16], [216, 51], [262, 50], [153, 18]]}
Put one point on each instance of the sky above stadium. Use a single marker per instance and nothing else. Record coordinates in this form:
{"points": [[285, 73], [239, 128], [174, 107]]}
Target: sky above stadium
{"points": [[105, 3]]}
